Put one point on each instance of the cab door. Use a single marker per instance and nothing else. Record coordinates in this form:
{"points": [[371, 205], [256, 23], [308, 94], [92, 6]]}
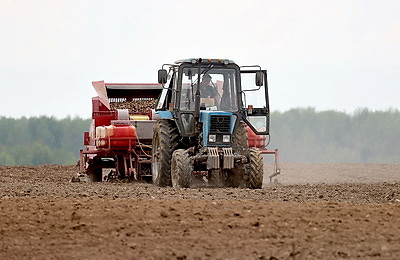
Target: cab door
{"points": [[255, 99]]}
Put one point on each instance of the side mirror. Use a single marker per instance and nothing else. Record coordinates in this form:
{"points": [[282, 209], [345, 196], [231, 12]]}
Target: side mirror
{"points": [[259, 78], [162, 76]]}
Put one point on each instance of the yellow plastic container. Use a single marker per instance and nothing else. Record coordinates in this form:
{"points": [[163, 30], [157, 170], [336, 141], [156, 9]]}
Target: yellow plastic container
{"points": [[139, 117]]}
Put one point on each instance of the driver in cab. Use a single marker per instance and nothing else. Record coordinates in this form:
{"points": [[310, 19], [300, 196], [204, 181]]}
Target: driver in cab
{"points": [[208, 94]]}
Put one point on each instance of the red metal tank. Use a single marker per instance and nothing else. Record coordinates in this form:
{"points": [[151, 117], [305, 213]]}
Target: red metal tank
{"points": [[255, 140], [118, 137]]}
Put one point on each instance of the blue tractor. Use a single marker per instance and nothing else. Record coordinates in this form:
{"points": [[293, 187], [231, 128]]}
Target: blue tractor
{"points": [[201, 137]]}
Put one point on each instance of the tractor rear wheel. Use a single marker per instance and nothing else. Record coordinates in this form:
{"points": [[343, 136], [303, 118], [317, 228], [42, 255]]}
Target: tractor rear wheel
{"points": [[256, 168], [237, 176], [180, 169], [165, 141], [241, 138]]}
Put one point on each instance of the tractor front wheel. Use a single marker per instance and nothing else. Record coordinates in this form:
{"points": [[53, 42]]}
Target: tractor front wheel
{"points": [[180, 169], [256, 168]]}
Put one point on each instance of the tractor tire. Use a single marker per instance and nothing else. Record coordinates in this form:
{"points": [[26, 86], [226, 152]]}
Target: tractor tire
{"points": [[237, 176], [241, 138], [165, 141], [181, 175], [255, 169]]}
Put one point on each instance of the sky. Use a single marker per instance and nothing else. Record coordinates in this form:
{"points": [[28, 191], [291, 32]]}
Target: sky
{"points": [[342, 55]]}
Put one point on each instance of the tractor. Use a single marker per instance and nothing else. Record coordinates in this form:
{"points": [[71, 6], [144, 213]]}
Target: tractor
{"points": [[207, 110]]}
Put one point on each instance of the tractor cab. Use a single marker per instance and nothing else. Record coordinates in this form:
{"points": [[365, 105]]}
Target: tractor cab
{"points": [[220, 89]]}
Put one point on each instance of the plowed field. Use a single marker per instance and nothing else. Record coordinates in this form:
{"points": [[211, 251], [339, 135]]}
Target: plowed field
{"points": [[315, 211]]}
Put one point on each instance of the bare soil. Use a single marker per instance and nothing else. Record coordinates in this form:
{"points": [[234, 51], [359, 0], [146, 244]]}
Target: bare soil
{"points": [[314, 211]]}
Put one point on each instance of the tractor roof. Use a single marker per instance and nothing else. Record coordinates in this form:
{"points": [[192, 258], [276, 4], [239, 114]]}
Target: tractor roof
{"points": [[205, 61]]}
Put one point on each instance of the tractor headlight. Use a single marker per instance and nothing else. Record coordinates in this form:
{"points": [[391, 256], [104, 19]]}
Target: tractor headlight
{"points": [[226, 138], [212, 138]]}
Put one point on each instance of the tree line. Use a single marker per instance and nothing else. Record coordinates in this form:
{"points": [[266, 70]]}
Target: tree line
{"points": [[41, 140], [301, 135], [305, 135]]}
